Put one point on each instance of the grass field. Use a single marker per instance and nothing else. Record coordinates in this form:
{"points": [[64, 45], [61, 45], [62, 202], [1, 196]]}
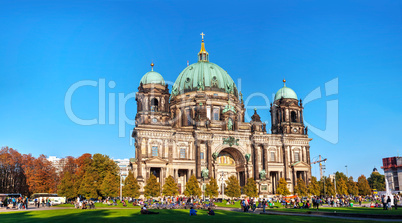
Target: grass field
{"points": [[100, 205], [133, 215], [356, 210]]}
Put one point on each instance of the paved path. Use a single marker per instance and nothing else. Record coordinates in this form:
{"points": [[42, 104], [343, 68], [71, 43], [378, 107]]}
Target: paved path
{"points": [[308, 215], [32, 209]]}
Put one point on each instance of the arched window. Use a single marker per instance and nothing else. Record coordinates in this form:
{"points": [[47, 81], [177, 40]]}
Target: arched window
{"points": [[293, 116], [154, 105], [183, 153], [272, 158], [154, 151], [297, 156]]}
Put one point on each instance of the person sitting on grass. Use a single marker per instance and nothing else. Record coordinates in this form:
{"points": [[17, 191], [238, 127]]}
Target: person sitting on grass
{"points": [[144, 210], [193, 211], [211, 212]]}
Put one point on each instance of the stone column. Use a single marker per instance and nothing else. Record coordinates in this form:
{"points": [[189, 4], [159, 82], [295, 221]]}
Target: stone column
{"points": [[188, 175], [198, 159], [265, 150], [170, 152], [148, 170], [138, 145], [255, 162], [285, 162], [214, 171], [164, 176], [163, 149], [161, 177], [210, 159]]}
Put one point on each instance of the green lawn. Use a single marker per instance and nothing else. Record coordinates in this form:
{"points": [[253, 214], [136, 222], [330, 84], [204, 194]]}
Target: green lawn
{"points": [[133, 215], [100, 205], [223, 204], [357, 210]]}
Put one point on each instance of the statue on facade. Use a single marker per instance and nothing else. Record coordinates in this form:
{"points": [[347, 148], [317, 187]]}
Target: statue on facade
{"points": [[247, 157], [262, 174], [306, 130], [215, 155], [205, 173], [230, 124]]}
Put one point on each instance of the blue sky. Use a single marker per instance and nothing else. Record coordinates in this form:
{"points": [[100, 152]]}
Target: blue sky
{"points": [[47, 46]]}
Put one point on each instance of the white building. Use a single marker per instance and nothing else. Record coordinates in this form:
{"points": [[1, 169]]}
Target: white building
{"points": [[57, 163], [124, 165]]}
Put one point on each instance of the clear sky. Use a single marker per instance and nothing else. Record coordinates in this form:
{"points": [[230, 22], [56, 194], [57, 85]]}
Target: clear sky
{"points": [[47, 46]]}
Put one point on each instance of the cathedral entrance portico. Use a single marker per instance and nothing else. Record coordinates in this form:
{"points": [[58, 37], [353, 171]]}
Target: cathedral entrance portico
{"points": [[230, 162]]}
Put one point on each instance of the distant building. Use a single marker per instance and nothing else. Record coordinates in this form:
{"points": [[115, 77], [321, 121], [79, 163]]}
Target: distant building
{"points": [[393, 172], [124, 165], [57, 163]]}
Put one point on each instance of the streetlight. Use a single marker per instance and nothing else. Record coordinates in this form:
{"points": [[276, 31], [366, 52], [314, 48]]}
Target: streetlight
{"points": [[120, 188], [347, 171], [335, 183]]}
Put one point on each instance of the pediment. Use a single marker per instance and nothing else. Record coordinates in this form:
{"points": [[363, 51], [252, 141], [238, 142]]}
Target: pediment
{"points": [[300, 164], [156, 160]]}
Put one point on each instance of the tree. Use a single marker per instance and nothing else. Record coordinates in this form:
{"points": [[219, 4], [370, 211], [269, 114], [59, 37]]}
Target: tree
{"points": [[152, 188], [211, 189], [328, 188], [40, 174], [341, 186], [352, 187], [66, 187], [314, 187], [12, 174], [341, 175], [232, 188], [88, 186], [192, 187], [301, 188], [110, 185], [377, 181], [363, 185], [170, 188], [282, 187], [250, 189], [131, 187]]}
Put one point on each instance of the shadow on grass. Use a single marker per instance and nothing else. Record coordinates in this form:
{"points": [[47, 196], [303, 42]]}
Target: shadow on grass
{"points": [[131, 215]]}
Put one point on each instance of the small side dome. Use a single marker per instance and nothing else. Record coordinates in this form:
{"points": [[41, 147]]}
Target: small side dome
{"points": [[285, 92], [152, 77]]}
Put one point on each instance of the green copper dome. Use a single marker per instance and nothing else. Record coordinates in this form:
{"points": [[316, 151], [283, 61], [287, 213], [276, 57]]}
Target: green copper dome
{"points": [[152, 77], [204, 75], [285, 92]]}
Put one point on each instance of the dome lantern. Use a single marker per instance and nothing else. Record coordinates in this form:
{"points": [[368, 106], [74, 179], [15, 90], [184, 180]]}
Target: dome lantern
{"points": [[203, 54]]}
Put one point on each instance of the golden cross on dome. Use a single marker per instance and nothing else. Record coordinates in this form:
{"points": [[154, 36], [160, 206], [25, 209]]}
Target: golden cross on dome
{"points": [[202, 35]]}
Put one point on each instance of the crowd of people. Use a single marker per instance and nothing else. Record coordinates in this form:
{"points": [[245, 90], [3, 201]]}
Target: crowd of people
{"points": [[22, 202], [315, 202], [19, 202]]}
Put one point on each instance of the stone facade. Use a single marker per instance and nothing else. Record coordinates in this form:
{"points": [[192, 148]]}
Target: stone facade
{"points": [[202, 128]]}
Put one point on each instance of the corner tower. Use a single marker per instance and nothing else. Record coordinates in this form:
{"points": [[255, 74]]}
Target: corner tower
{"points": [[287, 113], [152, 100]]}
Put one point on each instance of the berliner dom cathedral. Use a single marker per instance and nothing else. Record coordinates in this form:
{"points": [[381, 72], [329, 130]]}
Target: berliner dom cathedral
{"points": [[197, 128]]}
